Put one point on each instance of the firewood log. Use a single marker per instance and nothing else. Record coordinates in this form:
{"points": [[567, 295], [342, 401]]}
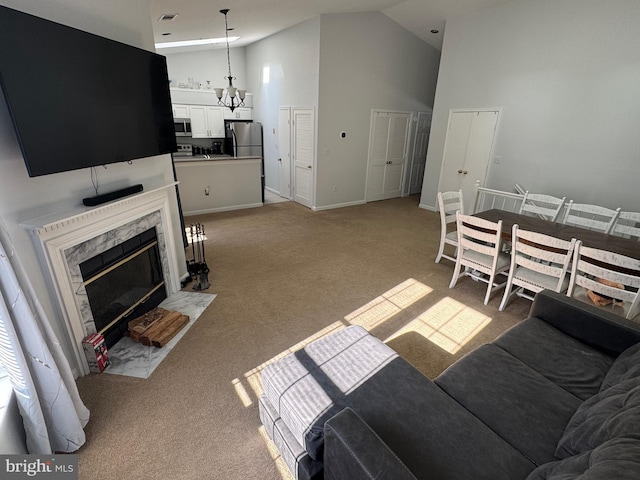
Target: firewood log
{"points": [[170, 331], [156, 327]]}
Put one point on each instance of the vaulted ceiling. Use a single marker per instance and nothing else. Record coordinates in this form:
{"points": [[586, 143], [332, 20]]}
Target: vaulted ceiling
{"points": [[253, 20]]}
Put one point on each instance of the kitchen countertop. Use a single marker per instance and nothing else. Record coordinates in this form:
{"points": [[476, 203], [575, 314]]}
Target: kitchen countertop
{"points": [[211, 158]]}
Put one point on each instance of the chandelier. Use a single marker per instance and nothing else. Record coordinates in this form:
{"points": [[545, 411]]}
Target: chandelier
{"points": [[233, 97]]}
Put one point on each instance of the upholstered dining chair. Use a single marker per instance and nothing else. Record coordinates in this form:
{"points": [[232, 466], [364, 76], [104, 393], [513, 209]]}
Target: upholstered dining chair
{"points": [[547, 206], [591, 217], [448, 204], [607, 279], [480, 252], [538, 262], [627, 225]]}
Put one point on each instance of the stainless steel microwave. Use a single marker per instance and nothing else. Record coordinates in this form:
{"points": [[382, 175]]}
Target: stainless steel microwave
{"points": [[182, 127]]}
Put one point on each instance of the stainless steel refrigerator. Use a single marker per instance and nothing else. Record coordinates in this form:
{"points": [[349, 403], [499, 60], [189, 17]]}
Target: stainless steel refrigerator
{"points": [[244, 139]]}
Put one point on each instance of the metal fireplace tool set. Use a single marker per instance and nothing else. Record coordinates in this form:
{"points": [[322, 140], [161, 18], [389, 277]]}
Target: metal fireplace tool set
{"points": [[197, 266]]}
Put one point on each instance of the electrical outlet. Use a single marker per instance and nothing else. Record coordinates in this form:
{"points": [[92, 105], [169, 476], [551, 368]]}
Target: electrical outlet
{"points": [[335, 188], [207, 190], [497, 159]]}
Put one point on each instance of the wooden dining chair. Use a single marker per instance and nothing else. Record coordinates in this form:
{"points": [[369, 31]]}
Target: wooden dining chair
{"points": [[480, 252], [448, 204], [607, 279], [546, 206], [538, 262], [627, 225], [591, 217]]}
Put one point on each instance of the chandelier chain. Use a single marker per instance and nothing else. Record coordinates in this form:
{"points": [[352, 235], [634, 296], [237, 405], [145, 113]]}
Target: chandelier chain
{"points": [[226, 35]]}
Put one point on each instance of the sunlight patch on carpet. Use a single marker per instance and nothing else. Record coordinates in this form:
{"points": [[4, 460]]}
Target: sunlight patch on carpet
{"points": [[384, 307], [449, 324], [242, 393]]}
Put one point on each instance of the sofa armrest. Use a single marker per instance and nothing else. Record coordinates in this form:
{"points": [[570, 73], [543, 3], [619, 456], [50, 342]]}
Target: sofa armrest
{"points": [[353, 451], [590, 324]]}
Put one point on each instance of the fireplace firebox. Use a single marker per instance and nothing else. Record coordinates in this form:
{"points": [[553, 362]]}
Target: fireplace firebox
{"points": [[124, 282]]}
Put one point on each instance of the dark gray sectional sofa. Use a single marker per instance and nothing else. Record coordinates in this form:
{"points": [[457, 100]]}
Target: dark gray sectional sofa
{"points": [[556, 397]]}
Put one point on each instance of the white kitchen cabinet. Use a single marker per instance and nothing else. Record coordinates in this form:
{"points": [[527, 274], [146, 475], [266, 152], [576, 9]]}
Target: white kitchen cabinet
{"points": [[180, 111], [242, 113], [206, 121]]}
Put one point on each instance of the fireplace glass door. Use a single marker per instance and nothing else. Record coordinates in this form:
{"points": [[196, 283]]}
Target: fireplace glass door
{"points": [[124, 282]]}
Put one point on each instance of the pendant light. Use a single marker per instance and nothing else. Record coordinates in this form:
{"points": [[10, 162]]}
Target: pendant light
{"points": [[233, 97]]}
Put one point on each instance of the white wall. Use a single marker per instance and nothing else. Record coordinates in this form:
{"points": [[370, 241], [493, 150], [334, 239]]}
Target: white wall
{"points": [[292, 59], [367, 61], [23, 198], [207, 65], [567, 75], [344, 65]]}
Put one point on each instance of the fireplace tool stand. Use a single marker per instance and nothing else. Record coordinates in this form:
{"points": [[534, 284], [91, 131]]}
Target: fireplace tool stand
{"points": [[197, 266]]}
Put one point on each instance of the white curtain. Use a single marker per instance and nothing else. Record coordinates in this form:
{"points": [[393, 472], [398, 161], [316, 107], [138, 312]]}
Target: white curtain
{"points": [[52, 411]]}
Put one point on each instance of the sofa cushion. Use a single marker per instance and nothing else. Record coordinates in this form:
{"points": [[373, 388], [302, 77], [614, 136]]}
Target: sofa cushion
{"points": [[432, 434], [618, 459], [565, 361], [625, 367], [313, 384], [526, 409], [611, 413], [294, 456]]}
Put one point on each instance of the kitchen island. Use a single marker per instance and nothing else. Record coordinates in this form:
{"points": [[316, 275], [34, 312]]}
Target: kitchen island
{"points": [[218, 183]]}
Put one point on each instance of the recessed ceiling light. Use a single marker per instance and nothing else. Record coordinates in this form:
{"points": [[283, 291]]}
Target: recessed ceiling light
{"points": [[434, 30], [191, 43]]}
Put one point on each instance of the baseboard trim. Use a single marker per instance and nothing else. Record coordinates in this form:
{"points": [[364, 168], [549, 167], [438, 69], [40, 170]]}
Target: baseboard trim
{"points": [[428, 207], [338, 205], [221, 209]]}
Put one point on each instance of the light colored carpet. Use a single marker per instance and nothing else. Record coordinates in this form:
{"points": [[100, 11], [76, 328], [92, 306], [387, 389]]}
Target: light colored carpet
{"points": [[282, 274]]}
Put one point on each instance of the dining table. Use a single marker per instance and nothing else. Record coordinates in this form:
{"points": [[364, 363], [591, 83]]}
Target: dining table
{"points": [[589, 238]]}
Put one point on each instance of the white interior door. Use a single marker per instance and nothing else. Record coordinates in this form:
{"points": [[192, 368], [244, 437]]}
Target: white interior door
{"points": [[419, 158], [378, 144], [284, 152], [387, 154], [396, 154], [467, 152], [303, 148]]}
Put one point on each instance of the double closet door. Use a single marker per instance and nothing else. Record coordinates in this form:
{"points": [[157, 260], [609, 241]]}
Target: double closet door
{"points": [[388, 140], [468, 148]]}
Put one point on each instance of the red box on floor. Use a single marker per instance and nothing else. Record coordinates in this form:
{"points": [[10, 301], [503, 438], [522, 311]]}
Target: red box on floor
{"points": [[95, 351]]}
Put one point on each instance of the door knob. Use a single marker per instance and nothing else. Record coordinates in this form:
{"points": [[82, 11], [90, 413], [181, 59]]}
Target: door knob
{"points": [[279, 159], [309, 166], [465, 172], [460, 171]]}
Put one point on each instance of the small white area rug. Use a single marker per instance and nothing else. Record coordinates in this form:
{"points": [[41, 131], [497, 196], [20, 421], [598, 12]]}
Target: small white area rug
{"points": [[132, 359]]}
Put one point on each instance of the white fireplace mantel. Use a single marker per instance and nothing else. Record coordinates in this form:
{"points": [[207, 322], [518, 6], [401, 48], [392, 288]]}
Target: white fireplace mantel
{"points": [[63, 240]]}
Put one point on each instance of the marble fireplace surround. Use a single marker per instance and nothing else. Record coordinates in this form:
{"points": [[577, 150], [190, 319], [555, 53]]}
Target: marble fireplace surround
{"points": [[66, 240]]}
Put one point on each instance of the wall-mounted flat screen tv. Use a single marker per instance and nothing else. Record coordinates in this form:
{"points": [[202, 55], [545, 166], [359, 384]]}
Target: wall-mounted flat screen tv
{"points": [[79, 100]]}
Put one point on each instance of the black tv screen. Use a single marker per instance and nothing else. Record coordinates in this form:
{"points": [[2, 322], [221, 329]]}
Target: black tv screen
{"points": [[79, 100]]}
